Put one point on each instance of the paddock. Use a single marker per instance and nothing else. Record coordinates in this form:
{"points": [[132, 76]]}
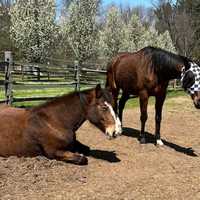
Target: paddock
{"points": [[120, 168]]}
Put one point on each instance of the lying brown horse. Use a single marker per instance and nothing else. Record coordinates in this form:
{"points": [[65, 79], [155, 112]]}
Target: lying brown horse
{"points": [[49, 129], [147, 73]]}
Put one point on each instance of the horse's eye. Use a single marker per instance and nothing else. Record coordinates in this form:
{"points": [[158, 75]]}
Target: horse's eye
{"points": [[104, 108]]}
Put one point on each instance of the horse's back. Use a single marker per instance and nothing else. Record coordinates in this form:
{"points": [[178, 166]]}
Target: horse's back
{"points": [[13, 122], [129, 71]]}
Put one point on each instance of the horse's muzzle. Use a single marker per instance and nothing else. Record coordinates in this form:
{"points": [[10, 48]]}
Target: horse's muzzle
{"points": [[113, 132], [197, 104]]}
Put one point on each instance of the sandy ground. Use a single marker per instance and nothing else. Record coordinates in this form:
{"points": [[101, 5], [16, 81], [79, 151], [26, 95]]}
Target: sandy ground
{"points": [[120, 168]]}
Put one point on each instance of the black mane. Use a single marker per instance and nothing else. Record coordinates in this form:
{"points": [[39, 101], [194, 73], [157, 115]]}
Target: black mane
{"points": [[165, 63]]}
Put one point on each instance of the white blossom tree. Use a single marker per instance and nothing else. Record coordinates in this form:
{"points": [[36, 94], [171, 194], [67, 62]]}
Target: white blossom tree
{"points": [[164, 41], [33, 28], [112, 34], [135, 34], [80, 28]]}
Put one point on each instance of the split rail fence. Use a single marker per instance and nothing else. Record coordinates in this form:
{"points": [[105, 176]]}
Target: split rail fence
{"points": [[35, 77], [13, 76]]}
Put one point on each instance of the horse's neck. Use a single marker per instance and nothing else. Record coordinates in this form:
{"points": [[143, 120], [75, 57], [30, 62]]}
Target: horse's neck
{"points": [[169, 73], [68, 112], [74, 110]]}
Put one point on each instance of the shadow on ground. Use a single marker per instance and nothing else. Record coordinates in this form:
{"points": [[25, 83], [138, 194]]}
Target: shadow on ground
{"points": [[109, 156], [150, 138]]}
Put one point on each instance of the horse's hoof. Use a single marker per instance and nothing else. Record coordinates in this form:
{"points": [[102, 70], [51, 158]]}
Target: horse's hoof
{"points": [[142, 141], [82, 160], [159, 142]]}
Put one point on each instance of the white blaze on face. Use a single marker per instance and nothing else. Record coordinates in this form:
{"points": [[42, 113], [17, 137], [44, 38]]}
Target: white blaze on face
{"points": [[117, 129]]}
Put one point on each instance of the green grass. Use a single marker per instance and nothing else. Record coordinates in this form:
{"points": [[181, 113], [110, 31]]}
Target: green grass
{"points": [[134, 102], [57, 90]]}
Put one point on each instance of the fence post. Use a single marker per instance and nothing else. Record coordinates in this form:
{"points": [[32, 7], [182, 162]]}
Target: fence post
{"points": [[175, 84], [22, 72], [38, 73], [8, 77], [77, 75]]}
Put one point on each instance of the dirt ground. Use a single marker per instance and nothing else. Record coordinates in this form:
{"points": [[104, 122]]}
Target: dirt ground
{"points": [[118, 169]]}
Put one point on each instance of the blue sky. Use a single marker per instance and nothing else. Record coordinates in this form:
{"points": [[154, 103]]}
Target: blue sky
{"points": [[146, 3]]}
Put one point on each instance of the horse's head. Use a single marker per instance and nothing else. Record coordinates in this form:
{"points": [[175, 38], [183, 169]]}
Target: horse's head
{"points": [[100, 112], [191, 82]]}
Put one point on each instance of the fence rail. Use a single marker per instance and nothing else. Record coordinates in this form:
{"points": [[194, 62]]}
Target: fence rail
{"points": [[31, 76], [16, 75]]}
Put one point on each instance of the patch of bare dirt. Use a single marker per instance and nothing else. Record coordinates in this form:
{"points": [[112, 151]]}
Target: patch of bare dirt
{"points": [[120, 168]]}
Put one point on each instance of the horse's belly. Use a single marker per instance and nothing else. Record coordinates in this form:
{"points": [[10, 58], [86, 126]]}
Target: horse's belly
{"points": [[128, 86]]}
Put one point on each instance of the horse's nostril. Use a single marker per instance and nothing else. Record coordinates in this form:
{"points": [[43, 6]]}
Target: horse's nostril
{"points": [[197, 105]]}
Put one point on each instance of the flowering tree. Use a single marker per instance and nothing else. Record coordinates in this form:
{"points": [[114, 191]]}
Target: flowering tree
{"points": [[135, 34], [33, 28], [118, 36], [80, 28], [112, 35], [164, 41]]}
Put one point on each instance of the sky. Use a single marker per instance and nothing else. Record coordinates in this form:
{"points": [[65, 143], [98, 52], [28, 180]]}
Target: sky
{"points": [[146, 3]]}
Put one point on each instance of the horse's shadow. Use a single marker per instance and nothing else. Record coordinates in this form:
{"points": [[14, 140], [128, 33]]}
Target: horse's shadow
{"points": [[150, 138], [109, 156]]}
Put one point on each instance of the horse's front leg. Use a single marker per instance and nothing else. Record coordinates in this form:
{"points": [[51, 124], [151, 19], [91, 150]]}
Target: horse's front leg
{"points": [[158, 116], [143, 95], [61, 146], [70, 157]]}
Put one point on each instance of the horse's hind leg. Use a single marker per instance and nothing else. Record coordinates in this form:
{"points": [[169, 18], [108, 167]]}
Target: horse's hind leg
{"points": [[143, 111], [115, 93], [70, 157], [158, 117], [122, 103]]}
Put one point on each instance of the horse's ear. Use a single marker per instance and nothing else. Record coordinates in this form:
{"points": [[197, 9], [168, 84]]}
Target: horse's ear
{"points": [[188, 80], [98, 91]]}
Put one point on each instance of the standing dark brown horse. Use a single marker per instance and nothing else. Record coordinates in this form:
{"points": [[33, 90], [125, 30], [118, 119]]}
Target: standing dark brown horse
{"points": [[147, 73], [49, 129]]}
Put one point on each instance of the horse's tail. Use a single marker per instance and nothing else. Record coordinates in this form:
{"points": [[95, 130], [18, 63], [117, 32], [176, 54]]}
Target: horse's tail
{"points": [[110, 79]]}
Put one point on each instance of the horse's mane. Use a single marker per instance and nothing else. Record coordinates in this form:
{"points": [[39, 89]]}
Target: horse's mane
{"points": [[165, 59], [164, 63], [59, 99], [69, 98]]}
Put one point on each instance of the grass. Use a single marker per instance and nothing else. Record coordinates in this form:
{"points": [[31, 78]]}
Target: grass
{"points": [[132, 103], [37, 91], [57, 90]]}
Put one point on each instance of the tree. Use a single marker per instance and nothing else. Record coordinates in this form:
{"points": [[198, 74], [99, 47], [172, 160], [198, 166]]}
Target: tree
{"points": [[134, 34], [160, 40], [80, 28], [5, 42], [112, 35], [137, 36], [182, 22], [33, 28]]}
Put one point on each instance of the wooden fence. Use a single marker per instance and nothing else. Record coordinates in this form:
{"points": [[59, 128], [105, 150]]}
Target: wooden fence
{"points": [[32, 76]]}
